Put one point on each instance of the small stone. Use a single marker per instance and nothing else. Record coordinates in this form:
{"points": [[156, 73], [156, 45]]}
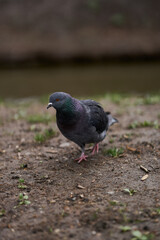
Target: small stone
{"points": [[111, 192], [51, 151], [65, 158], [57, 230], [144, 169], [28, 153], [2, 151], [81, 195], [65, 144], [23, 141], [144, 177], [80, 186], [19, 156]]}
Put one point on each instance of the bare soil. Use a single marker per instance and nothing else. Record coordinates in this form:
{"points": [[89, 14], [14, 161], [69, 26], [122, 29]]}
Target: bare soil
{"points": [[78, 201]]}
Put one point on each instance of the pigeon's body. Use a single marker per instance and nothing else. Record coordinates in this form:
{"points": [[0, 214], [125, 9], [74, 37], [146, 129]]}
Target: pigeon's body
{"points": [[81, 121], [84, 127]]}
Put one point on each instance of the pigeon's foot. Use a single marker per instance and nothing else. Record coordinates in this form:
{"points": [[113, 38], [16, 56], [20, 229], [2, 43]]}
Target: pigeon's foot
{"points": [[95, 149], [81, 158]]}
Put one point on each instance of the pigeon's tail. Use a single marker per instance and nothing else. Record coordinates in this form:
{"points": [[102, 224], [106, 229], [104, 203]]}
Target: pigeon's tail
{"points": [[111, 120]]}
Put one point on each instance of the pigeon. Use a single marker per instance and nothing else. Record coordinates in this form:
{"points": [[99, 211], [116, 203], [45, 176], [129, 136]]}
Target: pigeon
{"points": [[81, 121]]}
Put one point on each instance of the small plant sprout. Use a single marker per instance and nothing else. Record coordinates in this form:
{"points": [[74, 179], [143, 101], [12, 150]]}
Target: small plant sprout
{"points": [[136, 124], [148, 100], [49, 133], [152, 99], [115, 97], [33, 127], [133, 125], [113, 203], [50, 229], [20, 185], [21, 114], [114, 152], [42, 137], [111, 140], [39, 118], [23, 165], [2, 212], [23, 199], [129, 191], [21, 180], [158, 210], [149, 124], [137, 235], [125, 228]]}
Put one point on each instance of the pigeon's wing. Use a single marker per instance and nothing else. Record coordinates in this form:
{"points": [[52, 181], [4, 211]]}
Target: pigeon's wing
{"points": [[97, 116]]}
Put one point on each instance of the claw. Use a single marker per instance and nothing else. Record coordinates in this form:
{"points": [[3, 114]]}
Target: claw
{"points": [[95, 149], [81, 158]]}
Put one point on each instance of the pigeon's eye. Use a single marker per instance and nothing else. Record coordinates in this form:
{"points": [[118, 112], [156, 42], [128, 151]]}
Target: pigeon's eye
{"points": [[57, 99]]}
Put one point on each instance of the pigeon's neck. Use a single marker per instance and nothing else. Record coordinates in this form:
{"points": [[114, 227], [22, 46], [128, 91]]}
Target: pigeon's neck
{"points": [[69, 112]]}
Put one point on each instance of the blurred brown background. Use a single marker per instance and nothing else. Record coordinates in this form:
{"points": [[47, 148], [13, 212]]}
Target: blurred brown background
{"points": [[78, 29], [35, 32]]}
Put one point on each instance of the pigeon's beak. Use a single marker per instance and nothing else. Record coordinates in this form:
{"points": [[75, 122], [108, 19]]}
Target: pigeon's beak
{"points": [[49, 105], [116, 120]]}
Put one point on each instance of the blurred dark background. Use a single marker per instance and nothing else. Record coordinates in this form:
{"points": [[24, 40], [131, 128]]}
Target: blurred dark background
{"points": [[83, 47]]}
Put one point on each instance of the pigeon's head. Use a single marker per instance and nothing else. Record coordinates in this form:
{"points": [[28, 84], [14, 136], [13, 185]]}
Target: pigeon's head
{"points": [[58, 100]]}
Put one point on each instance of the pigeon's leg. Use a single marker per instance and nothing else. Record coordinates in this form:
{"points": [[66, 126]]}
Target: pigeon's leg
{"points": [[95, 149], [82, 157]]}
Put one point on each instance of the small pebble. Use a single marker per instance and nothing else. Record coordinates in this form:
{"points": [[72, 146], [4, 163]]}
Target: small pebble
{"points": [[65, 144], [111, 192], [57, 230], [93, 232]]}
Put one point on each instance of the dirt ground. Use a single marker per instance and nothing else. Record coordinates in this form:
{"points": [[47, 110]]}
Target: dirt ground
{"points": [[45, 194]]}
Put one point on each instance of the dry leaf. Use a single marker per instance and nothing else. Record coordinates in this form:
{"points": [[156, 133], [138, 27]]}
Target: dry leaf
{"points": [[135, 150], [131, 149], [125, 136]]}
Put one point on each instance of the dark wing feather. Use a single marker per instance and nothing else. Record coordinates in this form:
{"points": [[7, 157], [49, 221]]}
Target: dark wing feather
{"points": [[98, 117]]}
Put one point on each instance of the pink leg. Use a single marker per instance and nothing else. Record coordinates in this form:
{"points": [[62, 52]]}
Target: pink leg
{"points": [[95, 149], [81, 158]]}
